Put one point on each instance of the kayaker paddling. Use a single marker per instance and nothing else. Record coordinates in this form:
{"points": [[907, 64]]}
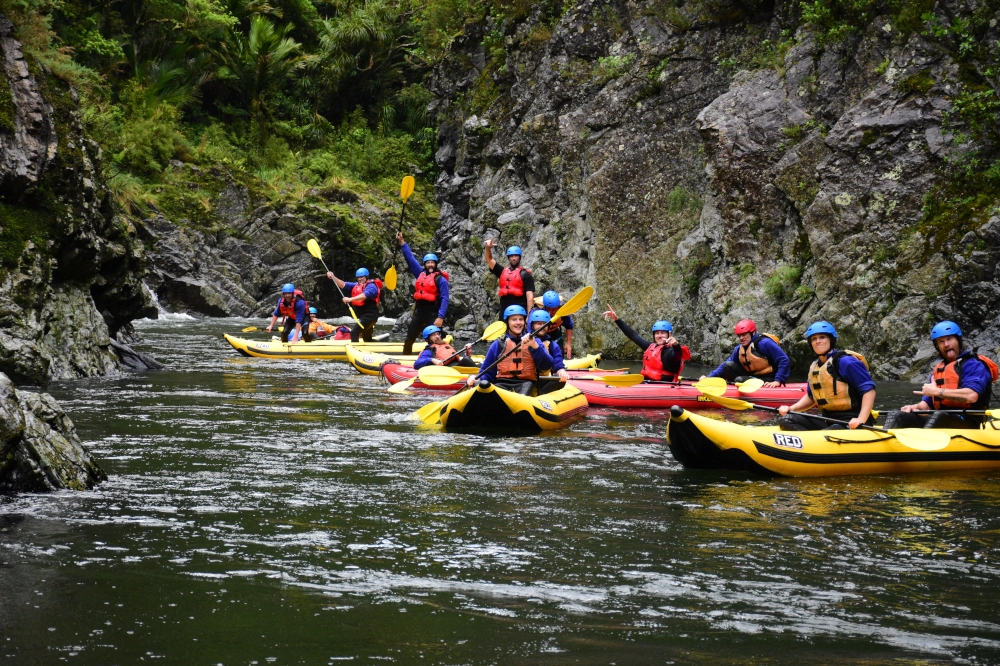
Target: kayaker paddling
{"points": [[663, 358], [962, 380], [520, 362], [438, 352], [364, 298], [517, 285], [292, 307], [839, 385], [431, 294], [539, 319], [756, 355]]}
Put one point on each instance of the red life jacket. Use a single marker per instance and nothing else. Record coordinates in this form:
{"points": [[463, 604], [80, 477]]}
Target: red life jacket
{"points": [[949, 376], [426, 286], [652, 364], [511, 281], [287, 310], [343, 333]]}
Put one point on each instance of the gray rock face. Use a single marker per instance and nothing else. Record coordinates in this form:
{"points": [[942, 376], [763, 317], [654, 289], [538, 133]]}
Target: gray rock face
{"points": [[39, 447], [621, 152]]}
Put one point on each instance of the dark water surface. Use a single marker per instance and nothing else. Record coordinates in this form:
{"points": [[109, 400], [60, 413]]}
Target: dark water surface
{"points": [[260, 512]]}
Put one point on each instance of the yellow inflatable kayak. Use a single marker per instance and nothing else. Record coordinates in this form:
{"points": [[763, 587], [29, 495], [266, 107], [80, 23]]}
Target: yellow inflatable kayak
{"points": [[487, 406], [331, 350], [369, 362], [704, 443]]}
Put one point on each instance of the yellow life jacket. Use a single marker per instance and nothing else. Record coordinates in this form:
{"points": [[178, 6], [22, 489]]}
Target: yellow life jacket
{"points": [[823, 380], [753, 361]]}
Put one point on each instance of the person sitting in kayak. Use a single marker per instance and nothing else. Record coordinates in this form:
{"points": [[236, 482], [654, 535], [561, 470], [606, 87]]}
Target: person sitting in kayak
{"points": [[962, 379], [663, 358], [292, 306], [438, 352], [365, 299], [839, 384], [431, 294], [518, 370], [756, 356], [552, 301], [540, 319], [317, 327]]}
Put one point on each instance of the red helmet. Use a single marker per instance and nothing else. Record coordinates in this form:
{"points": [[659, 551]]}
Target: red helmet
{"points": [[745, 326]]}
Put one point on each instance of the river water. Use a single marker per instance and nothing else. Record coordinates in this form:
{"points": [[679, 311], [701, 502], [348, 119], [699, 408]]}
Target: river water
{"points": [[260, 512]]}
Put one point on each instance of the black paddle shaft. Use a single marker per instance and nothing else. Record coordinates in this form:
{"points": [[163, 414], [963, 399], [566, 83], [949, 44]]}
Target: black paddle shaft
{"points": [[822, 418]]}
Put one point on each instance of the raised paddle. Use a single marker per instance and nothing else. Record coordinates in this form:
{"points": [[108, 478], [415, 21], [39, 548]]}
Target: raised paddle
{"points": [[405, 191], [314, 250], [492, 332], [914, 438], [430, 413]]}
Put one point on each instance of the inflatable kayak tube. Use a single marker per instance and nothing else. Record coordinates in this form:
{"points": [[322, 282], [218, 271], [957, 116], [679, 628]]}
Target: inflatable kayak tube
{"points": [[399, 372], [370, 362], [489, 407], [330, 350], [663, 396], [702, 443]]}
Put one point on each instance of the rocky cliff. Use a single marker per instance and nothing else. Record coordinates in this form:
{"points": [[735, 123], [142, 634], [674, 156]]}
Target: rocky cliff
{"points": [[709, 161], [70, 268]]}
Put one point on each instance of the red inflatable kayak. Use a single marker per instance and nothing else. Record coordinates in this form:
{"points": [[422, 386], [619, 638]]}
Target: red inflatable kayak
{"points": [[397, 372], [663, 396]]}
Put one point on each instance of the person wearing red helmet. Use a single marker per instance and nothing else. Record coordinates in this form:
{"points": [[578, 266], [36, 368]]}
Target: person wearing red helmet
{"points": [[756, 356]]}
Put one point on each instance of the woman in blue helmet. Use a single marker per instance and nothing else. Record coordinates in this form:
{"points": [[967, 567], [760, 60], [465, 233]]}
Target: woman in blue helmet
{"points": [[839, 385], [365, 298], [292, 306], [517, 285], [551, 301], [663, 358], [439, 352], [430, 294], [962, 379], [539, 319], [520, 363]]}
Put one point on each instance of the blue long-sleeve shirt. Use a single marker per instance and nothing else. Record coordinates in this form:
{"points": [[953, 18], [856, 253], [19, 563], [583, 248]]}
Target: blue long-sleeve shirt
{"points": [[543, 360], [555, 351], [770, 350], [444, 290], [853, 372], [975, 376], [300, 310]]}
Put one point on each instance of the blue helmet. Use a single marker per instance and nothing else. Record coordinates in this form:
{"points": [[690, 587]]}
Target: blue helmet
{"points": [[663, 325], [539, 315], [429, 331], [945, 328], [288, 288], [513, 249], [514, 310], [361, 272], [430, 256], [550, 299], [821, 327], [312, 310]]}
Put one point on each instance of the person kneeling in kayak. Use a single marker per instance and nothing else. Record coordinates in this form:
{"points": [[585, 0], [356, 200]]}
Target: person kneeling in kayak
{"points": [[519, 369], [541, 319], [552, 301], [839, 384], [438, 352], [756, 356], [292, 306], [961, 380], [663, 359]]}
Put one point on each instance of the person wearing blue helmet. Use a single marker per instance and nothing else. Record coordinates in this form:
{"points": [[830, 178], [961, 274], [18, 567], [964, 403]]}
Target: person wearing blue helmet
{"points": [[366, 296], [431, 294], [839, 385], [317, 327], [538, 320], [663, 358], [292, 306], [517, 369], [517, 284], [551, 301], [962, 380], [439, 352]]}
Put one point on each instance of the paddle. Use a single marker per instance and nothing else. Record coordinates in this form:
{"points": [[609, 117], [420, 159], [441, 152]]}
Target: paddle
{"points": [[915, 438], [609, 380], [992, 413], [430, 413], [405, 191], [314, 250], [249, 329], [492, 332]]}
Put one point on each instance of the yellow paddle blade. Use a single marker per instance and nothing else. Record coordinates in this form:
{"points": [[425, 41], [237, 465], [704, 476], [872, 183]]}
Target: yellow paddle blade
{"points": [[750, 385], [711, 385], [731, 403], [390, 278], [439, 375], [313, 248], [993, 413], [620, 380], [494, 331], [572, 305], [429, 413], [250, 329], [400, 387], [922, 439], [406, 187]]}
